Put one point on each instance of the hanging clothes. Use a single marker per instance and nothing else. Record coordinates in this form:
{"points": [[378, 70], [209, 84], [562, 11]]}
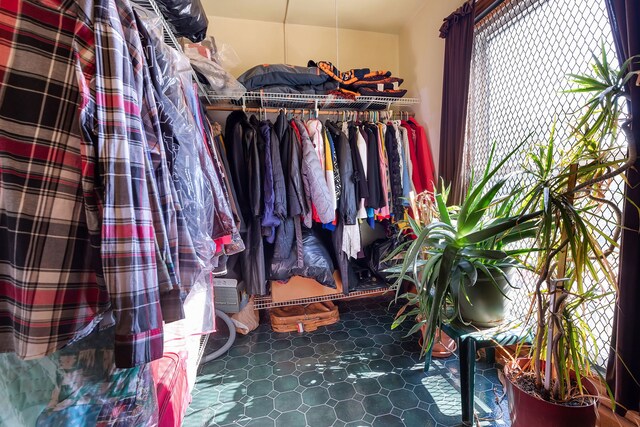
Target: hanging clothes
{"points": [[317, 193], [360, 155], [383, 164], [395, 170], [244, 160], [425, 175], [279, 182], [374, 180], [290, 230]]}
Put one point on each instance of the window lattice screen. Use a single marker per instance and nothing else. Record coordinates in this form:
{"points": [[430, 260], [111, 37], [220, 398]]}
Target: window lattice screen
{"points": [[522, 55]]}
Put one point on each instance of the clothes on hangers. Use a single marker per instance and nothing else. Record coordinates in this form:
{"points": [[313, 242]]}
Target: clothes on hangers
{"points": [[114, 203]]}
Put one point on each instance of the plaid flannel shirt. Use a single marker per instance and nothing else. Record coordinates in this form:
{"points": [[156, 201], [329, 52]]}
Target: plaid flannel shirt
{"points": [[65, 196], [164, 207], [50, 287]]}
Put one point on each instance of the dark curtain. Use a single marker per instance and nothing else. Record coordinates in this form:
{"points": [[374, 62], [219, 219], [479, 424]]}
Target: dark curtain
{"points": [[623, 370], [457, 30]]}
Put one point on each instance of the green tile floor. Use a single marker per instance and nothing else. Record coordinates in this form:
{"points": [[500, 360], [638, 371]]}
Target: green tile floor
{"points": [[357, 372]]}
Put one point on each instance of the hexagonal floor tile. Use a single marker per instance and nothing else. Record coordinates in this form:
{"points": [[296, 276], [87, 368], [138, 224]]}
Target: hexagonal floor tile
{"points": [[258, 407], [391, 381], [345, 345], [282, 355], [303, 351], [284, 368], [320, 338], [367, 386], [349, 410], [288, 401], [260, 388], [260, 372], [388, 421], [309, 379], [300, 341], [377, 404], [325, 348], [307, 364], [280, 344], [339, 336], [320, 416], [334, 374], [380, 365], [287, 383], [402, 362], [239, 362], [289, 419], [357, 332], [417, 418], [364, 342], [314, 396], [261, 422], [403, 399], [342, 391]]}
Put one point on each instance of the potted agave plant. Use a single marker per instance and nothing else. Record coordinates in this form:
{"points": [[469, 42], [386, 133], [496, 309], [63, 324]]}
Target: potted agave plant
{"points": [[458, 262], [553, 387]]}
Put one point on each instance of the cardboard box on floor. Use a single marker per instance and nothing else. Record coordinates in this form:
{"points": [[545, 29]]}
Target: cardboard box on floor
{"points": [[301, 287]]}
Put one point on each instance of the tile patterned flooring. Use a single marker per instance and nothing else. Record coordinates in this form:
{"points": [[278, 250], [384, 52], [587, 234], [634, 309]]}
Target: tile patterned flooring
{"points": [[357, 372]]}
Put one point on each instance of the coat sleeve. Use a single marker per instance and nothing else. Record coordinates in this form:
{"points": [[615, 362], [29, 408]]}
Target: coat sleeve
{"points": [[347, 206]]}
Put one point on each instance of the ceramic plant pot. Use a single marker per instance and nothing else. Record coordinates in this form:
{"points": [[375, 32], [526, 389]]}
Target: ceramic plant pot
{"points": [[526, 410], [487, 306]]}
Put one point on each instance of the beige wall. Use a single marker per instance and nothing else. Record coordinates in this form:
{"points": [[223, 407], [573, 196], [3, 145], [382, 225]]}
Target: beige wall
{"points": [[416, 54], [422, 62], [260, 42]]}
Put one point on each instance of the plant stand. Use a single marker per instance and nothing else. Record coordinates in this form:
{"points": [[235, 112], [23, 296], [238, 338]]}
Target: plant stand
{"points": [[470, 339]]}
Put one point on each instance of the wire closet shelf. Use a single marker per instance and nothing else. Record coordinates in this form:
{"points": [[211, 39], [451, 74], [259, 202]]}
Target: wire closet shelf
{"points": [[307, 101], [265, 302]]}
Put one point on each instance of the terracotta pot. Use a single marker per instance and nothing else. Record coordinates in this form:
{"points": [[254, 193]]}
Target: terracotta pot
{"points": [[444, 346], [487, 302], [526, 410]]}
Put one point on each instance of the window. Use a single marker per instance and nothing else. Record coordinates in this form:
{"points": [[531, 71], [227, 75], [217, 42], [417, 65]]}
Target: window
{"points": [[523, 52]]}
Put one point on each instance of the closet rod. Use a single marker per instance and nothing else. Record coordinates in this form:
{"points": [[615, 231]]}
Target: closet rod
{"points": [[323, 112]]}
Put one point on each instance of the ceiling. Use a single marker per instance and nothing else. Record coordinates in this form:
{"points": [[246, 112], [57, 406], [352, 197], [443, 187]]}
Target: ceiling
{"points": [[380, 16]]}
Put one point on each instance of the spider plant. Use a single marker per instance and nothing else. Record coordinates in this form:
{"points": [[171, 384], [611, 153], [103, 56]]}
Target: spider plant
{"points": [[461, 243]]}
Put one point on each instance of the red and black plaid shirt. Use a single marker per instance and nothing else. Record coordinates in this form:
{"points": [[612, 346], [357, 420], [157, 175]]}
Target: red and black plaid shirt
{"points": [[83, 225]]}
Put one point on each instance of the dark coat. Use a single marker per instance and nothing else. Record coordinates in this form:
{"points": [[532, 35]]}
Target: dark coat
{"points": [[245, 169], [347, 204], [359, 177], [395, 176], [376, 199]]}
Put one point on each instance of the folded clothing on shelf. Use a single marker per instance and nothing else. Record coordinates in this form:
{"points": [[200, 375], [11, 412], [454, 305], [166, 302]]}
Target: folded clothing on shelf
{"points": [[277, 76], [363, 81]]}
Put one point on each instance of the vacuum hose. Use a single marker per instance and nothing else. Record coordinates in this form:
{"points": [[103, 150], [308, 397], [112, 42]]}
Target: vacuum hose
{"points": [[232, 337]]}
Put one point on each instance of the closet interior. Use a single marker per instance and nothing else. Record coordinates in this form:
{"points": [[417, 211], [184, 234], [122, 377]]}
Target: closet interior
{"points": [[272, 213]]}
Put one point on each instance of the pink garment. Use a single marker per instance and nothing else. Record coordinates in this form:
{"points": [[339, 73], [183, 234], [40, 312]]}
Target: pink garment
{"points": [[383, 212]]}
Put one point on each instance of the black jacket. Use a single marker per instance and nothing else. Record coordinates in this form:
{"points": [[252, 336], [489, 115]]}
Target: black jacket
{"points": [[376, 199], [291, 155], [359, 178], [279, 183], [395, 175], [244, 163], [347, 203]]}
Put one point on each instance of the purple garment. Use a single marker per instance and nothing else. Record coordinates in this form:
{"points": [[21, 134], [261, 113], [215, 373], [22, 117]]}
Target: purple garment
{"points": [[269, 220]]}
